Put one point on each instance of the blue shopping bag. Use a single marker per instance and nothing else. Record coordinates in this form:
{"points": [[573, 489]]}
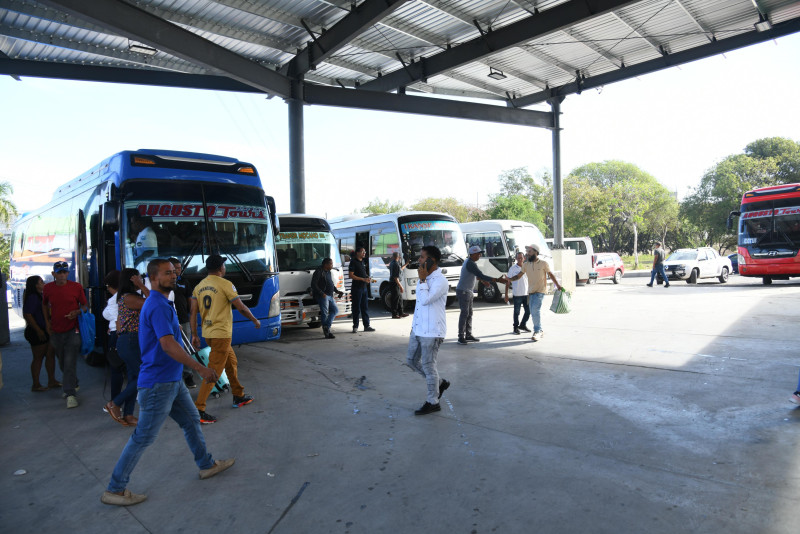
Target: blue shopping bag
{"points": [[87, 328]]}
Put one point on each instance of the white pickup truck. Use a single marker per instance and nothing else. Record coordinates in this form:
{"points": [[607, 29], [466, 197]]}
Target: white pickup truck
{"points": [[690, 264]]}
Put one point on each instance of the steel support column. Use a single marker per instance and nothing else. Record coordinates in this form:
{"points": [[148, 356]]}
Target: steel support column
{"points": [[558, 186], [297, 172]]}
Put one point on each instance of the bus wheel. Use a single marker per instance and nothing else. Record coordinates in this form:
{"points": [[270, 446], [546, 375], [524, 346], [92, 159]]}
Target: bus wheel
{"points": [[451, 301], [314, 324], [767, 280], [386, 297]]}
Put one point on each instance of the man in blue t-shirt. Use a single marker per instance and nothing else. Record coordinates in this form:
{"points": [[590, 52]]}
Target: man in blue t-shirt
{"points": [[162, 392]]}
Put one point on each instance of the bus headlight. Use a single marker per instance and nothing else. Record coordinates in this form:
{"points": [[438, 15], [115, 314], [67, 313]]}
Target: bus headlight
{"points": [[740, 259], [411, 282], [275, 305]]}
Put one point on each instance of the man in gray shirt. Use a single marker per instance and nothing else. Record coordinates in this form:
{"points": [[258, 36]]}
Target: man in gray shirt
{"points": [[469, 272], [658, 266]]}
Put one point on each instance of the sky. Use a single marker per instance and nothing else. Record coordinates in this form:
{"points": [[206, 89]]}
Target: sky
{"points": [[674, 124]]}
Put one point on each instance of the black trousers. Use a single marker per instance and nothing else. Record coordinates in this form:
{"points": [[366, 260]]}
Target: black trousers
{"points": [[395, 299]]}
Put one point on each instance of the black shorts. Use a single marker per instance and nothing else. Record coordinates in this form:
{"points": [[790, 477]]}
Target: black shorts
{"points": [[33, 339]]}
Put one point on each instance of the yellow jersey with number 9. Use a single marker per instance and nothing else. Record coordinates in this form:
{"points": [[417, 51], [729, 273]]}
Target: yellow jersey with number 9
{"points": [[214, 296]]}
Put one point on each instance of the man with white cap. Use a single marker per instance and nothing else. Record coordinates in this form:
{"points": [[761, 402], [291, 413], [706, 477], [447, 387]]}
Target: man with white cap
{"points": [[537, 271], [469, 272]]}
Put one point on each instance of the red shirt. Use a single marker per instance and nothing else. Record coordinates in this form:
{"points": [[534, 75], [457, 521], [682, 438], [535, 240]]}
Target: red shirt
{"points": [[62, 300]]}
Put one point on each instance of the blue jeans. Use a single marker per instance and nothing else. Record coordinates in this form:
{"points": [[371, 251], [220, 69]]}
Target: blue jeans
{"points": [[67, 347], [421, 357], [116, 372], [328, 310], [535, 303], [360, 306], [659, 269], [521, 302], [128, 349], [155, 404]]}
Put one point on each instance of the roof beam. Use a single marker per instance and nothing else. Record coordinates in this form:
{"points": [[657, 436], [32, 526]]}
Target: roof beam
{"points": [[677, 58], [614, 60], [553, 19], [352, 24], [104, 51], [348, 98], [134, 23], [313, 94]]}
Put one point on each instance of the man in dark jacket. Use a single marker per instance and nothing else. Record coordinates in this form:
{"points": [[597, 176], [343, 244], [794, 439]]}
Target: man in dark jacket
{"points": [[322, 289]]}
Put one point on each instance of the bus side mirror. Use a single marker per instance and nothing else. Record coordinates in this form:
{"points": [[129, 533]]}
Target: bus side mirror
{"points": [[730, 218], [273, 215], [111, 216]]}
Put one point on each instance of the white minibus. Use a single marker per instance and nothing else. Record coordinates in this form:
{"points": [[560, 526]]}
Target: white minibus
{"points": [[584, 271], [406, 232]]}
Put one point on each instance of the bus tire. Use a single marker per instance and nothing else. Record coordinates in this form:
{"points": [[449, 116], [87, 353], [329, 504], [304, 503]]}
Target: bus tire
{"points": [[451, 301], [386, 297], [314, 324], [724, 276], [692, 277], [767, 280]]}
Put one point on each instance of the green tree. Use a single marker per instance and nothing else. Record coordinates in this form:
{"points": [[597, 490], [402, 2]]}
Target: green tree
{"points": [[515, 207], [538, 189], [613, 200], [462, 212], [720, 192], [378, 206], [8, 211], [785, 152]]}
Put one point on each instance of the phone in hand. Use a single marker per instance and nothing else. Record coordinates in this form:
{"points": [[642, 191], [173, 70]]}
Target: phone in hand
{"points": [[429, 264]]}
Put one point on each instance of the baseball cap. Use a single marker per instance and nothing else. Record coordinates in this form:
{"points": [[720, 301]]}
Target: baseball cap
{"points": [[60, 267], [534, 247], [214, 262], [475, 249]]}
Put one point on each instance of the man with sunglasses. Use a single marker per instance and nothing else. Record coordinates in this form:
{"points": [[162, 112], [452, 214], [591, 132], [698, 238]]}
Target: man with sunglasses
{"points": [[62, 301]]}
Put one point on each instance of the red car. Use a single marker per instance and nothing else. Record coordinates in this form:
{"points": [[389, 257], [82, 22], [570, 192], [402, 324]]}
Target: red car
{"points": [[608, 266]]}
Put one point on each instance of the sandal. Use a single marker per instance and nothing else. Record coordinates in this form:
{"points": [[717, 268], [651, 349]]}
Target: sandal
{"points": [[130, 420], [54, 385], [39, 388], [114, 412]]}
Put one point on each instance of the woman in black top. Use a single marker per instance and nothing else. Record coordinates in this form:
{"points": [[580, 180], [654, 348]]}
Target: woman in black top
{"points": [[36, 334]]}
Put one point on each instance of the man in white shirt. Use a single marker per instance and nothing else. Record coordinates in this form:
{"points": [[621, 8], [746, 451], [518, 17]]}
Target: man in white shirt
{"points": [[429, 327], [519, 291]]}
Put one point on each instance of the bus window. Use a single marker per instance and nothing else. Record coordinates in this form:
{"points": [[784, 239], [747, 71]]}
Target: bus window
{"points": [[298, 250], [383, 245], [346, 248], [490, 242]]}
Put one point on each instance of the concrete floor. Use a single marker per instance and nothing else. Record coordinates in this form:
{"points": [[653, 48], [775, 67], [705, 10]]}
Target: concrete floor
{"points": [[644, 410]]}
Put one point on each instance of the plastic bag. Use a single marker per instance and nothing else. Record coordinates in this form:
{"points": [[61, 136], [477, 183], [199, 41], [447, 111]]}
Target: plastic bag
{"points": [[561, 302], [86, 326]]}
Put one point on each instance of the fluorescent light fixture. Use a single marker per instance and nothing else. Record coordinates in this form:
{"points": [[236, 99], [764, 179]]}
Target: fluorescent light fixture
{"points": [[141, 49], [763, 24], [496, 74]]}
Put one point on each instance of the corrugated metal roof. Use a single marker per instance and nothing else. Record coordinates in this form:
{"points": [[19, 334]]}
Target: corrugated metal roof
{"points": [[272, 32]]}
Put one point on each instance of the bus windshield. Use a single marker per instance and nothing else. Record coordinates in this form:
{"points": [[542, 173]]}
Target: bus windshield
{"points": [[304, 250], [443, 234], [771, 223], [170, 221]]}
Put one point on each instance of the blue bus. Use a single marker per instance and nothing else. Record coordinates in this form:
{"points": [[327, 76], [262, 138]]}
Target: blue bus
{"points": [[139, 205]]}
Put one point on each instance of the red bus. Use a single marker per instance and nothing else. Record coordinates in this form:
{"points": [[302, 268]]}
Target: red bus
{"points": [[769, 232]]}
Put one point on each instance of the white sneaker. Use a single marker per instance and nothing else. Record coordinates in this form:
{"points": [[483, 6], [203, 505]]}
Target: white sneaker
{"points": [[537, 335], [72, 401], [795, 398]]}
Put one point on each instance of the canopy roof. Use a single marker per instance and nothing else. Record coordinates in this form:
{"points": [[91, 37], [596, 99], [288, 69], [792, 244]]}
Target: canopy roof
{"points": [[357, 54]]}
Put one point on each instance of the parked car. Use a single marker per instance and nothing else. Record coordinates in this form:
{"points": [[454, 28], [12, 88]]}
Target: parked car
{"points": [[691, 264], [734, 262], [608, 266]]}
